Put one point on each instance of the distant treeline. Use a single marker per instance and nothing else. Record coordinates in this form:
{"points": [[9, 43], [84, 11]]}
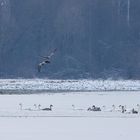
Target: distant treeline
{"points": [[94, 38]]}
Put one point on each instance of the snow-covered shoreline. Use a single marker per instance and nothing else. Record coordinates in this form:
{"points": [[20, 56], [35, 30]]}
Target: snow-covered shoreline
{"points": [[68, 85]]}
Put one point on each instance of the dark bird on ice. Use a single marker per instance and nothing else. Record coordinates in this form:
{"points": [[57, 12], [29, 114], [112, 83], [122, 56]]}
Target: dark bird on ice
{"points": [[46, 60], [48, 109]]}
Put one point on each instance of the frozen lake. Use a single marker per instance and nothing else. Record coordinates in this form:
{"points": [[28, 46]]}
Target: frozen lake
{"points": [[69, 128], [66, 122]]}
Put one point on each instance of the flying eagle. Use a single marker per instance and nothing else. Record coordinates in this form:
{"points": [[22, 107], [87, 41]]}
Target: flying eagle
{"points": [[46, 60]]}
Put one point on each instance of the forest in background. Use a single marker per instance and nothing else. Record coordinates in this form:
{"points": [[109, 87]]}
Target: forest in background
{"points": [[94, 38]]}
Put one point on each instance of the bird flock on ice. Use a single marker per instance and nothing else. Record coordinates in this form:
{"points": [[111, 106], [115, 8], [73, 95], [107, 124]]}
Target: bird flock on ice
{"points": [[93, 108]]}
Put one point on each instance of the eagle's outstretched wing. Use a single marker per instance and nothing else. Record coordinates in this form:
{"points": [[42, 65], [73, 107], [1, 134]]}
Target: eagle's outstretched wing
{"points": [[50, 55]]}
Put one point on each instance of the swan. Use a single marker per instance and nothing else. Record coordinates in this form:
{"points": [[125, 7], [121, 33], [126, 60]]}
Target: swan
{"points": [[77, 108], [134, 111], [120, 108], [94, 108], [48, 109], [35, 107], [89, 109], [20, 106], [39, 107], [73, 107], [103, 108], [138, 108], [123, 109], [113, 108]]}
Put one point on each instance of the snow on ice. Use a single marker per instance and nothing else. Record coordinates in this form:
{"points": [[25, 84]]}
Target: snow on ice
{"points": [[69, 85]]}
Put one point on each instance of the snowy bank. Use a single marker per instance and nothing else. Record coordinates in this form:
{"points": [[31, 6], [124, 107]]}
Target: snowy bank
{"points": [[68, 85]]}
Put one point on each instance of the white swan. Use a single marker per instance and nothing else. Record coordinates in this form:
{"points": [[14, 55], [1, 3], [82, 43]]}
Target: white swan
{"points": [[113, 108], [39, 107], [138, 108], [20, 106]]}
